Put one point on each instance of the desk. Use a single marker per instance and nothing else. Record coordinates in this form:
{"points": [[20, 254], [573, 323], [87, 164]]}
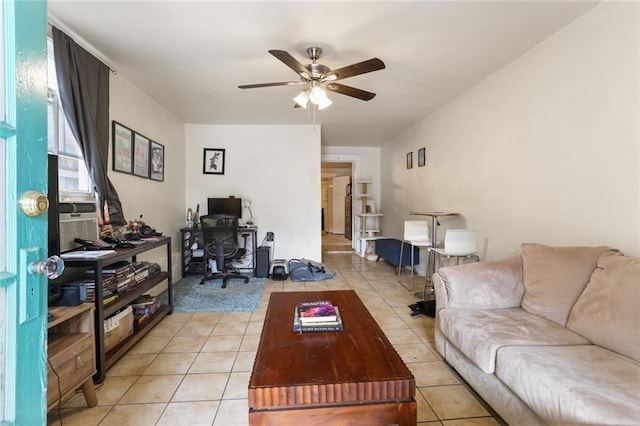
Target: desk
{"points": [[346, 377], [431, 263], [193, 264]]}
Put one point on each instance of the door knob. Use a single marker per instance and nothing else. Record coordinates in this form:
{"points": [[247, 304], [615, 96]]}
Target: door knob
{"points": [[34, 203], [51, 267]]}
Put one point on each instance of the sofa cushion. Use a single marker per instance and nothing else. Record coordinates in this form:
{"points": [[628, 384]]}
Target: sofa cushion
{"points": [[478, 334], [608, 310], [488, 285], [573, 384], [554, 277]]}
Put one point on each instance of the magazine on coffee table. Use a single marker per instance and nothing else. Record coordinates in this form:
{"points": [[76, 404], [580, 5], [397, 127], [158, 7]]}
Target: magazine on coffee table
{"points": [[319, 311], [328, 324]]}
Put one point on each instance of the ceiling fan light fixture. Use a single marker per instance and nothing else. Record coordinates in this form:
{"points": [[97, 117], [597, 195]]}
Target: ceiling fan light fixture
{"points": [[317, 94], [324, 103], [302, 99]]}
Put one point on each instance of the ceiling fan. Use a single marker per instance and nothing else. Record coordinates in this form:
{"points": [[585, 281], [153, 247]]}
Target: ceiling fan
{"points": [[318, 78]]}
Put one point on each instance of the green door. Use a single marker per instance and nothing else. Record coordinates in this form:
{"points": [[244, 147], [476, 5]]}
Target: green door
{"points": [[23, 168]]}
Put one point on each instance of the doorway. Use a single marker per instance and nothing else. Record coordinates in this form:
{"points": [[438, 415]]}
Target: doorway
{"points": [[337, 215]]}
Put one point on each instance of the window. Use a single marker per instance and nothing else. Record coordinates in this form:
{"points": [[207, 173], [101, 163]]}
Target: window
{"points": [[73, 178]]}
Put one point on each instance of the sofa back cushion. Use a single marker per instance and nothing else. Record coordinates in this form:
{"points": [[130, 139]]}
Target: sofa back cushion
{"points": [[608, 310], [554, 277], [494, 284]]}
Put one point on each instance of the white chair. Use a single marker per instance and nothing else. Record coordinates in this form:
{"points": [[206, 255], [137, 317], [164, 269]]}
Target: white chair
{"points": [[416, 233], [458, 244]]}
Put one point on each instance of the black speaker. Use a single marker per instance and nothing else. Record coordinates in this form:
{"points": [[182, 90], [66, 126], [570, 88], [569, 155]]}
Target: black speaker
{"points": [[72, 295], [262, 262]]}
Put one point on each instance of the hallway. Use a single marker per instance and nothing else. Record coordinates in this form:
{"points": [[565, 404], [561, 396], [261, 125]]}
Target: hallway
{"points": [[335, 244]]}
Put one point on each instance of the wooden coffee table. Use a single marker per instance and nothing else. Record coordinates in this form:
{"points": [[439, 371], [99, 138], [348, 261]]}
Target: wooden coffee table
{"points": [[353, 376]]}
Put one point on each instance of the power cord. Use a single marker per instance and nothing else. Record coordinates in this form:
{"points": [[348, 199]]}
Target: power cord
{"points": [[59, 410]]}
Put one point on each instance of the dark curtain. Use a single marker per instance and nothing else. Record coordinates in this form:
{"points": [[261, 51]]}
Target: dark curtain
{"points": [[83, 83]]}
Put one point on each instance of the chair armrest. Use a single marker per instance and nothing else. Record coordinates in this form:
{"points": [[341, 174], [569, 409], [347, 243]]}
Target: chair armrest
{"points": [[484, 285]]}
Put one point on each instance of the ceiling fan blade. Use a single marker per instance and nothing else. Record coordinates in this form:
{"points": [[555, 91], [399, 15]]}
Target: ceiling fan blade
{"points": [[350, 91], [373, 64], [291, 62], [281, 83]]}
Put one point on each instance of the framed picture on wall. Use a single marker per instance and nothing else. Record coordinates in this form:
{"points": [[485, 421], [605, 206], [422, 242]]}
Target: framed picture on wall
{"points": [[122, 138], [410, 160], [157, 161], [141, 150], [421, 154], [213, 161]]}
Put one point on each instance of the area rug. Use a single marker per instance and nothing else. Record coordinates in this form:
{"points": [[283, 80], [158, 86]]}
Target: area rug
{"points": [[190, 296]]}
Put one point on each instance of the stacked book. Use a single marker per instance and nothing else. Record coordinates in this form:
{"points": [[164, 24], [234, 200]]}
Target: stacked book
{"points": [[121, 276], [317, 316], [88, 291], [120, 272]]}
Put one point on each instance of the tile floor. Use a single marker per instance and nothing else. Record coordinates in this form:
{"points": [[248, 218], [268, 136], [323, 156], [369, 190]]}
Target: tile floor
{"points": [[194, 368]]}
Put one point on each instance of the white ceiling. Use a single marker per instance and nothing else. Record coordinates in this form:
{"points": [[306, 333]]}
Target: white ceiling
{"points": [[190, 56]]}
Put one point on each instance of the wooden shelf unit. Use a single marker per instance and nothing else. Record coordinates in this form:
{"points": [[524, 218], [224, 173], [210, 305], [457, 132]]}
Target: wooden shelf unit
{"points": [[71, 354], [106, 359]]}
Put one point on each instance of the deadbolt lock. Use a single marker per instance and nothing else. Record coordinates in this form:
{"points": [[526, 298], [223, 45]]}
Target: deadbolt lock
{"points": [[34, 203]]}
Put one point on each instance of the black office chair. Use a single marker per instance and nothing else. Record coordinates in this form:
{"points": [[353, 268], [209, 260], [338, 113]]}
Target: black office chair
{"points": [[220, 232]]}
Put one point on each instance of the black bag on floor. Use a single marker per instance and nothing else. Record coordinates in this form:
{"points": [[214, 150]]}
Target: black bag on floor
{"points": [[308, 270]]}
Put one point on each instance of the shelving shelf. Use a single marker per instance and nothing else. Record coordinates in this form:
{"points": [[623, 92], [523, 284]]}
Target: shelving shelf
{"points": [[123, 347], [106, 359], [191, 264], [366, 233]]}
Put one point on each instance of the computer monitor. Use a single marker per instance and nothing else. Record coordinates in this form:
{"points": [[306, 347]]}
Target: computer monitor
{"points": [[230, 205]]}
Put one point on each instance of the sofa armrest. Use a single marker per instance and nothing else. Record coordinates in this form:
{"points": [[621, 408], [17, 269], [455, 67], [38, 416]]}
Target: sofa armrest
{"points": [[484, 285]]}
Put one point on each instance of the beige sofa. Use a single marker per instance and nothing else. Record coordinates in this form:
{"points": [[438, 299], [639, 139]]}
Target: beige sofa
{"points": [[551, 337]]}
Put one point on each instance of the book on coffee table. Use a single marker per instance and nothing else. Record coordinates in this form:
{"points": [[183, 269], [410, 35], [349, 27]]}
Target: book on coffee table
{"points": [[326, 325], [312, 312]]}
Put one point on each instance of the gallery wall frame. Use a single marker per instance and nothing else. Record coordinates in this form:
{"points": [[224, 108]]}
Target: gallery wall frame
{"points": [[157, 161], [122, 138], [410, 160], [213, 161], [422, 152], [141, 154], [136, 154]]}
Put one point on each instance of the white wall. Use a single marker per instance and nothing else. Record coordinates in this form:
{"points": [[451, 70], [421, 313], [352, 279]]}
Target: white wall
{"points": [[546, 150], [160, 203], [277, 167]]}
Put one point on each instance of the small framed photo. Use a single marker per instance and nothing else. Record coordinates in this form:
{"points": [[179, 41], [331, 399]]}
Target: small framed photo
{"points": [[141, 150], [122, 137], [213, 162], [421, 154], [157, 161], [410, 160]]}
